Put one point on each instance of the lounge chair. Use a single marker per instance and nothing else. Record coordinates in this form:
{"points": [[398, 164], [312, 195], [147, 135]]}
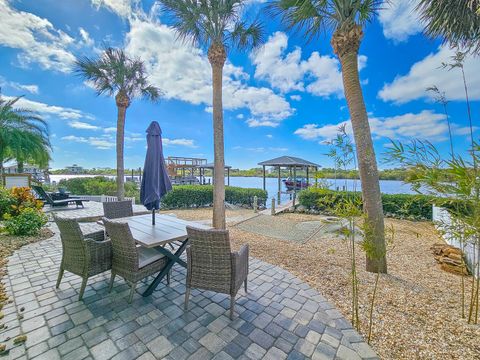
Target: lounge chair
{"points": [[47, 199], [84, 255], [211, 264]]}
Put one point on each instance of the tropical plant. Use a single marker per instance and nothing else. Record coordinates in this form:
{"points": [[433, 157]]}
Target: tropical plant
{"points": [[28, 222], [457, 61], [116, 74], [440, 98], [456, 21], [23, 135], [217, 26], [460, 194], [346, 18]]}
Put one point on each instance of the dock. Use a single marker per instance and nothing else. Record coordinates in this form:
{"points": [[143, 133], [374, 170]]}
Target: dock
{"points": [[278, 208]]}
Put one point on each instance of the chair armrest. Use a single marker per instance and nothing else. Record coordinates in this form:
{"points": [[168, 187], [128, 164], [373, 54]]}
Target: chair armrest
{"points": [[240, 266]]}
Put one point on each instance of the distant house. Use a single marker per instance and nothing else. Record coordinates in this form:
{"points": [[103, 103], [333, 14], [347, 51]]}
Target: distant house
{"points": [[11, 171], [74, 169], [35, 171]]}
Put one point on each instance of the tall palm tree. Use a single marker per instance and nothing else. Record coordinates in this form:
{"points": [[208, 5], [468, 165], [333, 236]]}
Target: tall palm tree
{"points": [[115, 74], [23, 135], [215, 25], [456, 21], [346, 19]]}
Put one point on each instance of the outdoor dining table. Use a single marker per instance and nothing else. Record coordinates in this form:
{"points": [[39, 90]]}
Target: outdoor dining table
{"points": [[167, 229]]}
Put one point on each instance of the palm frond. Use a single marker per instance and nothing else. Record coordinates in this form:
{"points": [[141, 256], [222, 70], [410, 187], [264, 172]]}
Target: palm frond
{"points": [[205, 22], [245, 36], [115, 71], [457, 22]]}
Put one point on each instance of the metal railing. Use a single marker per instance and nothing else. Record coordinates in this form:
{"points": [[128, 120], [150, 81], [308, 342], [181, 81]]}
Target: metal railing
{"points": [[103, 198]]}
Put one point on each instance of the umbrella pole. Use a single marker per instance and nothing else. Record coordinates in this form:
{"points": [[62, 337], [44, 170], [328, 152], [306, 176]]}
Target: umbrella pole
{"points": [[153, 216]]}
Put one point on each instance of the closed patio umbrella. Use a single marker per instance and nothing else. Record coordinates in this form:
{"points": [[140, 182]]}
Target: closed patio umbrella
{"points": [[155, 180]]}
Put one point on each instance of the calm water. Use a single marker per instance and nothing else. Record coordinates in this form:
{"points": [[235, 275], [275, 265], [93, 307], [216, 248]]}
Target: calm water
{"points": [[386, 186]]}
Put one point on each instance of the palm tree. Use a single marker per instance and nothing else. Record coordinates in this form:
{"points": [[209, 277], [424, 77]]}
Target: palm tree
{"points": [[216, 25], [346, 19], [23, 135], [456, 21], [116, 74]]}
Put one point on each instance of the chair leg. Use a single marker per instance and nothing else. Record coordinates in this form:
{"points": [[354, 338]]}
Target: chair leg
{"points": [[245, 284], [187, 297], [169, 274], [232, 306], [82, 288], [132, 291], [112, 279], [60, 275]]}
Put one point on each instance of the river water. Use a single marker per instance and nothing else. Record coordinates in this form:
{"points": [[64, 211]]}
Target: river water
{"points": [[271, 184]]}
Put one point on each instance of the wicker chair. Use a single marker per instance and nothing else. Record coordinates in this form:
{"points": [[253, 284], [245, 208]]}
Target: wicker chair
{"points": [[130, 261], [118, 209], [83, 254], [211, 264]]}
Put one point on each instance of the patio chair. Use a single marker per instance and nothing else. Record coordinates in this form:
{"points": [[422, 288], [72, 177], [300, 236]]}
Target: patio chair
{"points": [[211, 264], [130, 261], [118, 209], [43, 195], [84, 255]]}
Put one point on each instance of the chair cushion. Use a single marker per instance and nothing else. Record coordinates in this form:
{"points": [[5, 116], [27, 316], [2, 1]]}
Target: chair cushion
{"points": [[147, 256]]}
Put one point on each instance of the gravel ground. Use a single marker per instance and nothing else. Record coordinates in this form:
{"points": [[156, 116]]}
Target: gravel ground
{"points": [[205, 213], [417, 309]]}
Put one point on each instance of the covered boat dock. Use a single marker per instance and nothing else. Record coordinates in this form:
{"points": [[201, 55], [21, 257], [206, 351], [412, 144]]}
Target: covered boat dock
{"points": [[292, 164]]}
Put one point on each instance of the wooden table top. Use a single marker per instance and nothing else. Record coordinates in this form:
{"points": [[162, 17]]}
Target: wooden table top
{"points": [[166, 229]]}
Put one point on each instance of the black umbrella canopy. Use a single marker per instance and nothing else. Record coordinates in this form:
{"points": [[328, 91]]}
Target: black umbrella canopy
{"points": [[155, 180]]}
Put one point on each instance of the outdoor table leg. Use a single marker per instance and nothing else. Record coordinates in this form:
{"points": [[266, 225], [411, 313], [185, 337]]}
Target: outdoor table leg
{"points": [[172, 259]]}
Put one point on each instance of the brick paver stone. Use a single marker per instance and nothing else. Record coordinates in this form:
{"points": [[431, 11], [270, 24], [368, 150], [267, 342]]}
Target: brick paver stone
{"points": [[279, 318]]}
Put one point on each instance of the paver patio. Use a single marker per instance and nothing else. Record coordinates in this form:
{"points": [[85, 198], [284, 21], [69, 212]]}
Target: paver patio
{"points": [[280, 317]]}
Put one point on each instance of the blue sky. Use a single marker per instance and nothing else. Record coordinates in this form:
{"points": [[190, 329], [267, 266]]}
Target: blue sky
{"points": [[284, 98]]}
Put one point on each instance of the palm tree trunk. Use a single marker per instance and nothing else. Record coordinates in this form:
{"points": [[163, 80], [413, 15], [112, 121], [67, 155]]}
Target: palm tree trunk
{"points": [[217, 57], [120, 149], [346, 46]]}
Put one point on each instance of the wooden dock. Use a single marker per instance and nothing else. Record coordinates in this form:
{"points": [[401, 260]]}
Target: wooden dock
{"points": [[278, 208]]}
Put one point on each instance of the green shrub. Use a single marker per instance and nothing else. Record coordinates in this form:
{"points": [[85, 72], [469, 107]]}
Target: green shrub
{"points": [[27, 223], [6, 201], [98, 185], [190, 196], [402, 206]]}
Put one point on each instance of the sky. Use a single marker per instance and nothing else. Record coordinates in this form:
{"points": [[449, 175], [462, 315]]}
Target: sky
{"points": [[283, 98]]}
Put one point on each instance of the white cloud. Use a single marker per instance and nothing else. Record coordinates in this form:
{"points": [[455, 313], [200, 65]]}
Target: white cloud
{"points": [[51, 110], [424, 125], [269, 136], [399, 19], [82, 125], [240, 116], [183, 72], [97, 142], [428, 72], [87, 40], [179, 142], [31, 88], [296, 97], [122, 8], [36, 38], [286, 71], [110, 129]]}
